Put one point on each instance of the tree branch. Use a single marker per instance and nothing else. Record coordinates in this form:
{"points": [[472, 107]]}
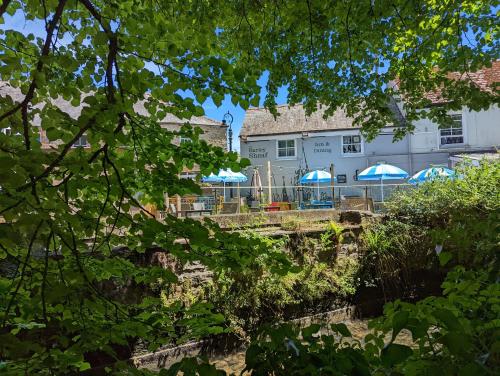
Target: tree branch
{"points": [[3, 7]]}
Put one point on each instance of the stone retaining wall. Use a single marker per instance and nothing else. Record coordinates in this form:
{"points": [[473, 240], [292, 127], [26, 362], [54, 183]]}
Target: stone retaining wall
{"points": [[262, 219]]}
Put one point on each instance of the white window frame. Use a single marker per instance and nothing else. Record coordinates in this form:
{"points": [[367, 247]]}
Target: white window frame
{"points": [[440, 136], [183, 140], [78, 143], [287, 147], [361, 143]]}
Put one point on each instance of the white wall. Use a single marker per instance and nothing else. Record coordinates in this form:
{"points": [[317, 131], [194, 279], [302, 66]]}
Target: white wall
{"points": [[481, 131]]}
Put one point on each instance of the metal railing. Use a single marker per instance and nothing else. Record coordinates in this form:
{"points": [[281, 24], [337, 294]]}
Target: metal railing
{"points": [[300, 193]]}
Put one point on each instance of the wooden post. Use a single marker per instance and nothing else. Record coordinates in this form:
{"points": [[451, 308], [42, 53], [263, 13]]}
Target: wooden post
{"points": [[179, 205], [166, 201], [332, 182], [269, 188]]}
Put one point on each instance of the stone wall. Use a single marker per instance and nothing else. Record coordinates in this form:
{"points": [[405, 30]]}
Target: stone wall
{"points": [[213, 134], [279, 218]]}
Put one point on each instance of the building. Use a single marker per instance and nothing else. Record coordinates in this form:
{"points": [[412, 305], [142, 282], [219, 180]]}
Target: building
{"points": [[295, 143], [214, 132]]}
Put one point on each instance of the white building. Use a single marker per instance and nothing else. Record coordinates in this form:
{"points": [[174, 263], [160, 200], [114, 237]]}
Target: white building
{"points": [[295, 143]]}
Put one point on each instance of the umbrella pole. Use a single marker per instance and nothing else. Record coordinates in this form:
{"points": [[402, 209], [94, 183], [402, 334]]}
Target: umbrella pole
{"points": [[239, 198], [382, 188], [224, 188], [318, 189]]}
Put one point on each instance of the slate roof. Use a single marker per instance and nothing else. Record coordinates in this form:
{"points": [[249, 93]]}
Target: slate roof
{"points": [[260, 122], [74, 111]]}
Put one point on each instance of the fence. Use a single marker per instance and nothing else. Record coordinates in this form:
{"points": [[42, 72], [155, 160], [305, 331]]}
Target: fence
{"points": [[304, 193]]}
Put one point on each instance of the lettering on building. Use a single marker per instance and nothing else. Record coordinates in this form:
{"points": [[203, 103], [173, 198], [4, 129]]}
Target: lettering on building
{"points": [[322, 147], [257, 153]]}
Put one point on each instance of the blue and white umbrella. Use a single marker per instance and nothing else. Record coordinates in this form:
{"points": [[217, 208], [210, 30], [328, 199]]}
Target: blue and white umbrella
{"points": [[431, 173], [382, 172], [229, 176], [225, 176], [316, 176], [212, 178]]}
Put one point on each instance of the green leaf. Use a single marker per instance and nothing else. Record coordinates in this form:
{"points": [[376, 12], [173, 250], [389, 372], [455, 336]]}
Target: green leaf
{"points": [[395, 354], [342, 329], [399, 321], [310, 330], [458, 343], [447, 318], [444, 258]]}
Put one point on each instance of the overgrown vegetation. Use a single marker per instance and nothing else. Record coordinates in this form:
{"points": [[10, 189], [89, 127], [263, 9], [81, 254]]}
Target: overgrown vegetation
{"points": [[318, 281], [456, 333]]}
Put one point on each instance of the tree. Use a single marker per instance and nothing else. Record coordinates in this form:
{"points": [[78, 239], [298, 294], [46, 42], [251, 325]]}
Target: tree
{"points": [[65, 211]]}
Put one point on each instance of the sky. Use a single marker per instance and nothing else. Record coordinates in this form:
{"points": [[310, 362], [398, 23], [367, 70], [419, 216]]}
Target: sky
{"points": [[19, 23]]}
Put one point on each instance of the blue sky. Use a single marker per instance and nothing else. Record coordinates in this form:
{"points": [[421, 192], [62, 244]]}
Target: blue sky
{"points": [[19, 23]]}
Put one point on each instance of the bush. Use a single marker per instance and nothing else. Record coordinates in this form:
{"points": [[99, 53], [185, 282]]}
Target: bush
{"points": [[462, 214]]}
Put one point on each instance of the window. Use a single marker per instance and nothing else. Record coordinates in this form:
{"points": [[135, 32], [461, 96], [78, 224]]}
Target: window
{"points": [[454, 133], [351, 145], [183, 140], [7, 131], [81, 142], [286, 149], [188, 175]]}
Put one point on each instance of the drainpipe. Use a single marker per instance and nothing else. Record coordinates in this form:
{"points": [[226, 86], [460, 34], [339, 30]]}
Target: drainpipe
{"points": [[410, 159], [269, 188]]}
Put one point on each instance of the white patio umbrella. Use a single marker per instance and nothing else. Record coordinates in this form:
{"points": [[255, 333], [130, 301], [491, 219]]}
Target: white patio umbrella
{"points": [[382, 172]]}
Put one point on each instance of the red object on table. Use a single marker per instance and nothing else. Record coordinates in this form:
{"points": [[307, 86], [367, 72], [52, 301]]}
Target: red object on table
{"points": [[273, 207]]}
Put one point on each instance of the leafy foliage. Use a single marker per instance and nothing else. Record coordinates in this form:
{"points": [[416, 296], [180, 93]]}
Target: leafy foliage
{"points": [[461, 214], [456, 334], [256, 295], [66, 210]]}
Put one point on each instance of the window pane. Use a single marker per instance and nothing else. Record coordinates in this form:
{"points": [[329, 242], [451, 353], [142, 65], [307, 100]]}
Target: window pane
{"points": [[356, 139], [291, 153], [291, 143], [281, 144], [347, 139], [281, 153]]}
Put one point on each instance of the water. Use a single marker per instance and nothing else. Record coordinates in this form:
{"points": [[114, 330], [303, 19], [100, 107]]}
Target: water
{"points": [[235, 363]]}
